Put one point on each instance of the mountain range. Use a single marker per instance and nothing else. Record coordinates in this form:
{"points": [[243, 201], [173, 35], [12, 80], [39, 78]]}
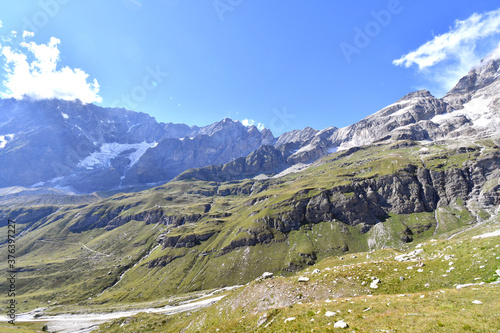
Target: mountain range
{"points": [[84, 148], [112, 206]]}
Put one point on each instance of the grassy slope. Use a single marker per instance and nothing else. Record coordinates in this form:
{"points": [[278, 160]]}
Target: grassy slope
{"points": [[74, 268], [408, 305]]}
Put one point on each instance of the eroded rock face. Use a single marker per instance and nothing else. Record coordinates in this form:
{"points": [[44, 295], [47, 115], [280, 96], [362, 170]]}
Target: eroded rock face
{"points": [[412, 190], [89, 148]]}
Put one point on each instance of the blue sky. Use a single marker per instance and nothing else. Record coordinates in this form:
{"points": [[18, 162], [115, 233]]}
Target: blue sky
{"points": [[283, 64]]}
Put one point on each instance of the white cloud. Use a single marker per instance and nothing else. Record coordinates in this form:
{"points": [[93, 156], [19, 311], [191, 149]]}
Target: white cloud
{"points": [[250, 122], [456, 51], [462, 37], [495, 54], [31, 71], [28, 34]]}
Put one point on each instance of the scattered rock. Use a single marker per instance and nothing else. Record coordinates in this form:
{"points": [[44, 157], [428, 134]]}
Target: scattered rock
{"points": [[341, 324], [460, 286], [330, 314], [477, 302], [498, 272], [401, 278], [262, 320], [316, 271], [409, 256], [303, 279], [374, 284], [427, 285]]}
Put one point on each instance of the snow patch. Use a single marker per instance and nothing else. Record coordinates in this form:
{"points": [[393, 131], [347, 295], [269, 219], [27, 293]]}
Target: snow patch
{"points": [[305, 148], [401, 111], [477, 110], [4, 139], [108, 151], [488, 234], [293, 169], [64, 115], [131, 127], [332, 150]]}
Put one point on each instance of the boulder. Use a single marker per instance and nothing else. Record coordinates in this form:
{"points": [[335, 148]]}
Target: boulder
{"points": [[341, 324]]}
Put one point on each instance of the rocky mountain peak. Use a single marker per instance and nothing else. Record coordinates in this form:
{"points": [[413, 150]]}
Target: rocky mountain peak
{"points": [[297, 136], [477, 78], [416, 94]]}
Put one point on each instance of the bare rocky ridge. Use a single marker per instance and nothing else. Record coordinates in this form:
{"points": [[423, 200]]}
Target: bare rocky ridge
{"points": [[88, 148]]}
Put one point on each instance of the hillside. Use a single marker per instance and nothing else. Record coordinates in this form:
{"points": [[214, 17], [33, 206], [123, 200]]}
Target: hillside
{"points": [[441, 285], [240, 203], [192, 235], [437, 285]]}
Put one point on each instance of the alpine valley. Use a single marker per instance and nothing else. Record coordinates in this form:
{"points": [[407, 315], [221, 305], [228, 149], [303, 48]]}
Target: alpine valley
{"points": [[114, 210]]}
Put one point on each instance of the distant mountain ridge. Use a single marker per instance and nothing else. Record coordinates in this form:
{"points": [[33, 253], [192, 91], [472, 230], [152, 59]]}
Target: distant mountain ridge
{"points": [[86, 148], [470, 110]]}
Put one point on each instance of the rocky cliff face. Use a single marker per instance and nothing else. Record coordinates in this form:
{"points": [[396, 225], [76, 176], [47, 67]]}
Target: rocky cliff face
{"points": [[87, 148], [223, 142], [363, 201], [470, 109]]}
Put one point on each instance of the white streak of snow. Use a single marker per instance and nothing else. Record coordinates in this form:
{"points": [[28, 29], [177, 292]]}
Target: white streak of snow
{"points": [[294, 168], [108, 151], [305, 148], [333, 150], [477, 110]]}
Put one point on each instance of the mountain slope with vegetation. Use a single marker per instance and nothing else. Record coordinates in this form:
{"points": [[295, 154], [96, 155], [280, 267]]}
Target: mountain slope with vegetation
{"points": [[445, 285], [191, 235]]}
